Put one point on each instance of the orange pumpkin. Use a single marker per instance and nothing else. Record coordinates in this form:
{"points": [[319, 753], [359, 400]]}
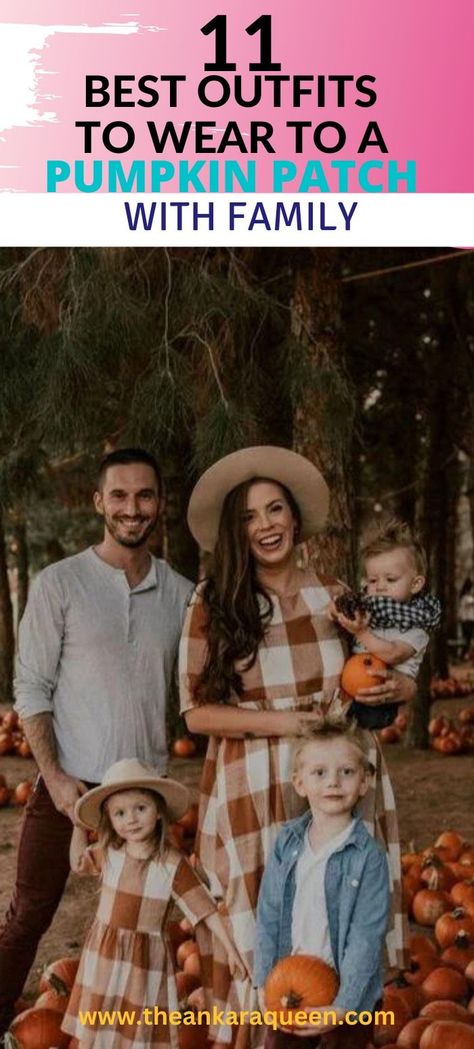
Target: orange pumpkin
{"points": [[447, 1034], [184, 950], [59, 975], [451, 843], [355, 674], [458, 957], [385, 1033], [455, 927], [299, 982], [469, 974], [436, 875], [52, 1000], [184, 747], [429, 905], [192, 965], [445, 1010], [462, 894], [409, 1037], [39, 1029], [419, 943], [445, 983], [421, 964]]}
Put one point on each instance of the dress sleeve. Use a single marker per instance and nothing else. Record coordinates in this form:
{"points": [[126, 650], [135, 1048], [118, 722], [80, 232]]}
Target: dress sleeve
{"points": [[193, 649], [190, 895]]}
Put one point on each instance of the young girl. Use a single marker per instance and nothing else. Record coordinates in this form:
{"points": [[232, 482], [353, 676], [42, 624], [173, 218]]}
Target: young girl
{"points": [[126, 965]]}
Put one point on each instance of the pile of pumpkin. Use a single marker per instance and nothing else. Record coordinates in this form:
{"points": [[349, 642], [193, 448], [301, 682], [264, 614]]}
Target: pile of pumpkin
{"points": [[14, 795], [39, 1026], [393, 733], [12, 737], [449, 736], [433, 1000], [446, 688]]}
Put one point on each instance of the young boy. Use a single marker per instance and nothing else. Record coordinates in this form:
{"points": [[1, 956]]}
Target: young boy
{"points": [[397, 614], [325, 890]]}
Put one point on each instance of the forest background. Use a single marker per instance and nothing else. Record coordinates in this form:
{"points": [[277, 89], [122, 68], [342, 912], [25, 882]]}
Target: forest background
{"points": [[361, 360]]}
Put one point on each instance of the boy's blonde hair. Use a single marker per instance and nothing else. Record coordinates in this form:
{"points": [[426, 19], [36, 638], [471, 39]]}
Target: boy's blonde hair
{"points": [[390, 533], [108, 837], [334, 727]]}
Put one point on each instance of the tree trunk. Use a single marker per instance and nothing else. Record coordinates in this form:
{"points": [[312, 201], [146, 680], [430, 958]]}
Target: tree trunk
{"points": [[7, 641], [323, 415], [417, 733], [22, 565], [181, 549]]}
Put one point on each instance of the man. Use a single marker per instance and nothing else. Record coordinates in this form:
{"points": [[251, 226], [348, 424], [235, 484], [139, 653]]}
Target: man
{"points": [[96, 654]]}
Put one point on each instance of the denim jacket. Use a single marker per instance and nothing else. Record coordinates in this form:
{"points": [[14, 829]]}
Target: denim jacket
{"points": [[357, 899]]}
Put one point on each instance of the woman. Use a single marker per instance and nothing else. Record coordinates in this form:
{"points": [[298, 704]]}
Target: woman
{"points": [[259, 659]]}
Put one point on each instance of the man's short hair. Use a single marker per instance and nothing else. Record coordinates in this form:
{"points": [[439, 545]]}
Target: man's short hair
{"points": [[125, 457]]}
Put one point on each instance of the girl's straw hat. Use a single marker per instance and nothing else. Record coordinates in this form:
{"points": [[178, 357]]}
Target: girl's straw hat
{"points": [[299, 475], [128, 774]]}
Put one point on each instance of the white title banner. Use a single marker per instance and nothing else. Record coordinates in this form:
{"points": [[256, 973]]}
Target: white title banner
{"points": [[263, 220]]}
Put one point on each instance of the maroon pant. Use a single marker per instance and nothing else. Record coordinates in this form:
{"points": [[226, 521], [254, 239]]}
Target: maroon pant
{"points": [[43, 867]]}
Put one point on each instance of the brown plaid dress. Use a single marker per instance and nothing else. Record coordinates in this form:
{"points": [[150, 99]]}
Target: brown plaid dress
{"points": [[246, 789], [126, 963]]}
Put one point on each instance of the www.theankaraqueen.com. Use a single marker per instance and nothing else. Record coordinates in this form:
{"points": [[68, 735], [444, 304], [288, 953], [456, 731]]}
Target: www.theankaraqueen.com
{"points": [[154, 1016]]}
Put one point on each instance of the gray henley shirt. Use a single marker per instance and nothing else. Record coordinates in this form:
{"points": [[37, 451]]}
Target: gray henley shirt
{"points": [[100, 657]]}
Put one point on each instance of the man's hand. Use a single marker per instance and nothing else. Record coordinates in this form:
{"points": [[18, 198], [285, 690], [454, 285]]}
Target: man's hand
{"points": [[64, 791], [394, 688]]}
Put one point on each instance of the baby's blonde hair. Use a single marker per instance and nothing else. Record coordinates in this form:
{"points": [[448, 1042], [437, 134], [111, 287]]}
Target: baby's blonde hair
{"points": [[334, 727], [383, 535]]}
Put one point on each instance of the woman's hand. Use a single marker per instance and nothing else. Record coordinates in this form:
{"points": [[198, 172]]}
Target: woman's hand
{"points": [[393, 688]]}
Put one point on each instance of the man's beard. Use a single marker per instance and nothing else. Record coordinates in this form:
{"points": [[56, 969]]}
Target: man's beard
{"points": [[130, 542]]}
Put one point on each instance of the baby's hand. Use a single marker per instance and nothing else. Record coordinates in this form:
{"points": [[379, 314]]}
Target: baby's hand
{"points": [[353, 626], [236, 965]]}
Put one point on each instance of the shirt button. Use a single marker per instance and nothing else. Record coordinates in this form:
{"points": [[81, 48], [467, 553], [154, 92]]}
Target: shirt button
{"points": [[354, 883], [295, 852]]}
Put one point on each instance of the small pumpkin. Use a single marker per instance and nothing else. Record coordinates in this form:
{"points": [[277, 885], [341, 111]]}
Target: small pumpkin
{"points": [[458, 957], [52, 1000], [445, 983], [447, 1034], [186, 983], [192, 965], [429, 904], [451, 843], [299, 982], [59, 975], [385, 1033], [355, 674], [443, 1009], [462, 894], [184, 747], [184, 950], [418, 943], [409, 1037], [39, 1029], [455, 927]]}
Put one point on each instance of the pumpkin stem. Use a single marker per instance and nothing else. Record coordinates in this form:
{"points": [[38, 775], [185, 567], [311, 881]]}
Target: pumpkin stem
{"points": [[290, 1000], [57, 985], [458, 913], [462, 939]]}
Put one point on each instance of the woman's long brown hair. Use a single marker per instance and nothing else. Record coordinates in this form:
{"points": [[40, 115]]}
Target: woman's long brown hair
{"points": [[238, 606]]}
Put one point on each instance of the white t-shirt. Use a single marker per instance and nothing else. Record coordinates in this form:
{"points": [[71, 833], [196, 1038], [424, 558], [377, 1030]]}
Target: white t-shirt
{"points": [[309, 925], [415, 637]]}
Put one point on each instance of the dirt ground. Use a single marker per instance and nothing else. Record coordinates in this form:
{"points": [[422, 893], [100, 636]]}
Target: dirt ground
{"points": [[433, 793]]}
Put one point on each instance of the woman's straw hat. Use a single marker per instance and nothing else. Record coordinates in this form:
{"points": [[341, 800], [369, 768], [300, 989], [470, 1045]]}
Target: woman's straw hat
{"points": [[129, 774], [299, 475]]}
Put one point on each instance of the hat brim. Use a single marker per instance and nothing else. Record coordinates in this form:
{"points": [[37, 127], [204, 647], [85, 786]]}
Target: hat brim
{"points": [[88, 809], [299, 475]]}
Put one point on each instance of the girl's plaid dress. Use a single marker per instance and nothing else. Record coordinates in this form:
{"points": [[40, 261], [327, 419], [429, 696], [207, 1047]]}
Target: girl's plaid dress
{"points": [[126, 964], [246, 785]]}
